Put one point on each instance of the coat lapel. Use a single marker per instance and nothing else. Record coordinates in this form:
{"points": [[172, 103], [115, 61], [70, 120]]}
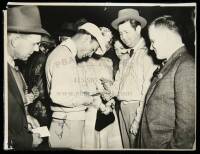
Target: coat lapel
{"points": [[164, 70], [14, 86]]}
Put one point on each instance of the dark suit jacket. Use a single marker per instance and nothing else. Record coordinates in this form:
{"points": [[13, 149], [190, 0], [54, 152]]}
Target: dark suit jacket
{"points": [[169, 115], [17, 122]]}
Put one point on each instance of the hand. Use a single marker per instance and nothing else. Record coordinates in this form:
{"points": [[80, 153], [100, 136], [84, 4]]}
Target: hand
{"points": [[37, 140], [134, 127], [111, 104], [87, 100], [106, 95], [102, 107], [104, 80], [108, 109], [106, 84], [96, 101], [29, 98], [35, 92], [32, 122]]}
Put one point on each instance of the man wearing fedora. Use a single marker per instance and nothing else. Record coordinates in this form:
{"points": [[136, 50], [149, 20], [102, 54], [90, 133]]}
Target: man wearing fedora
{"points": [[24, 33], [136, 76], [63, 81]]}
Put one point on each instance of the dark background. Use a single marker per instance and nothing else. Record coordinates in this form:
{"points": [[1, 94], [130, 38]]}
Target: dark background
{"points": [[54, 16]]}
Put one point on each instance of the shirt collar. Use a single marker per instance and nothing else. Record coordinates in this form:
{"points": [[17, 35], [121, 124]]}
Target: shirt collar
{"points": [[71, 45], [140, 44], [11, 62]]}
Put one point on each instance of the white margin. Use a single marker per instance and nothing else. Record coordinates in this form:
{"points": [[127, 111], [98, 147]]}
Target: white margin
{"points": [[5, 83], [102, 4], [5, 94]]}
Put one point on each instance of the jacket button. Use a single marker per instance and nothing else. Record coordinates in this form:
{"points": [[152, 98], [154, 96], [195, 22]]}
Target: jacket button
{"points": [[160, 75]]}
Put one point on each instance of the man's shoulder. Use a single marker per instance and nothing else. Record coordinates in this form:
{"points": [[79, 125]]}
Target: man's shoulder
{"points": [[186, 64], [186, 57], [59, 53]]}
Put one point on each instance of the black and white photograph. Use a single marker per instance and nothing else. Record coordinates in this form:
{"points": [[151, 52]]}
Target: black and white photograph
{"points": [[99, 76]]}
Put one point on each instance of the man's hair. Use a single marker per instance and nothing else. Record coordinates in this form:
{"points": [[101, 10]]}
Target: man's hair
{"points": [[166, 21], [133, 23]]}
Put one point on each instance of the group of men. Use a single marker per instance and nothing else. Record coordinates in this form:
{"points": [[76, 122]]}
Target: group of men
{"points": [[154, 114]]}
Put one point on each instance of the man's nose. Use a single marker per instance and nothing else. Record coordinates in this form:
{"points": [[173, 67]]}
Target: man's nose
{"points": [[122, 37], [90, 55], [151, 47]]}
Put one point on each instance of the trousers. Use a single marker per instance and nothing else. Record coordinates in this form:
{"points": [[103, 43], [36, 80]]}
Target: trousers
{"points": [[127, 114], [66, 133]]}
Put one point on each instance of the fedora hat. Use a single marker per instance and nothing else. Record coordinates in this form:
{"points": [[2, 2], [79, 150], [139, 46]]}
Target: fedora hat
{"points": [[127, 14], [25, 19]]}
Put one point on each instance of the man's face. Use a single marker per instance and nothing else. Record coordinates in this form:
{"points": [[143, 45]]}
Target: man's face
{"points": [[26, 45], [160, 42], [88, 47], [128, 34]]}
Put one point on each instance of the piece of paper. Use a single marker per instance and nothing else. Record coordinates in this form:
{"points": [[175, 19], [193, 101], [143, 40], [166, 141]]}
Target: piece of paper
{"points": [[43, 131]]}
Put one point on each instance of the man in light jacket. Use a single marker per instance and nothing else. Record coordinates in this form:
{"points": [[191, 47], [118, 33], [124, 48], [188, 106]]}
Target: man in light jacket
{"points": [[63, 81], [130, 89]]}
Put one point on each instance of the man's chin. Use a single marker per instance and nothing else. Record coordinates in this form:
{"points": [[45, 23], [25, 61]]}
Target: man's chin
{"points": [[81, 59], [25, 59]]}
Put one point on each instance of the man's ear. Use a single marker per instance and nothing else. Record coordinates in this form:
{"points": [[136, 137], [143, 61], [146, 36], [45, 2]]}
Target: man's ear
{"points": [[88, 37], [15, 40], [138, 29], [85, 38]]}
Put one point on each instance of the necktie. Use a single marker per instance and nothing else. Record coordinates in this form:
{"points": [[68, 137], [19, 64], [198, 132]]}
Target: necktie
{"points": [[157, 71], [131, 52]]}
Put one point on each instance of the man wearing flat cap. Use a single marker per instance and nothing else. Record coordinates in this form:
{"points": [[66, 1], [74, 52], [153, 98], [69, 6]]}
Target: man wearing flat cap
{"points": [[63, 81], [136, 77], [24, 34]]}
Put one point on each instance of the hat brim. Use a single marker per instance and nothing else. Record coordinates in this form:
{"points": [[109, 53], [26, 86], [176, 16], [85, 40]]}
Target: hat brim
{"points": [[140, 19], [36, 30], [97, 35]]}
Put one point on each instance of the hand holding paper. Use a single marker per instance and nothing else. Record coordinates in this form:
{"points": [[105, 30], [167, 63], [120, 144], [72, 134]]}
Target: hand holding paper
{"points": [[43, 131]]}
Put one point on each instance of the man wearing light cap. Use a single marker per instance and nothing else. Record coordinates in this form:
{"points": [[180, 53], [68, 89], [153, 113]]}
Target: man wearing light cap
{"points": [[24, 35], [131, 88], [69, 102]]}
